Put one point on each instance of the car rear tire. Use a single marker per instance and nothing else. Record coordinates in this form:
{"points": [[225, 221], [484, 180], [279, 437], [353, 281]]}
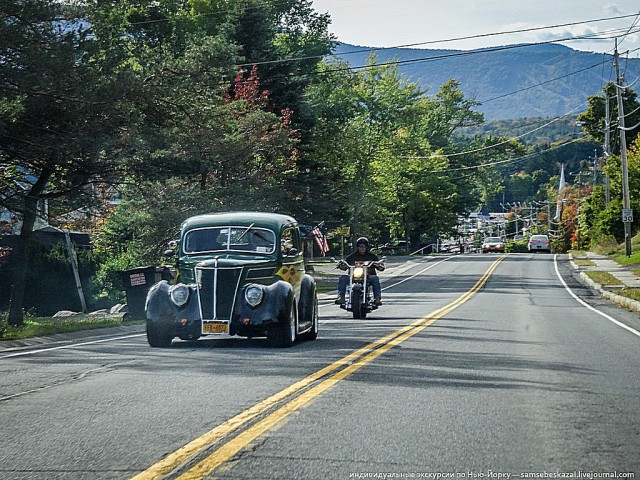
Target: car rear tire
{"points": [[313, 333]]}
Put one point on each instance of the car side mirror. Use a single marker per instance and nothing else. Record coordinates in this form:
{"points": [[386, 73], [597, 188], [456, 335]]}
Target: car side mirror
{"points": [[292, 252], [169, 253]]}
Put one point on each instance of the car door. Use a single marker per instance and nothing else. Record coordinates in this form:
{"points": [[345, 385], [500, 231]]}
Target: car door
{"points": [[292, 268]]}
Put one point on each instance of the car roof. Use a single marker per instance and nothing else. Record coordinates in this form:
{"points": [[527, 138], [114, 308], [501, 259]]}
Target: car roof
{"points": [[273, 221]]}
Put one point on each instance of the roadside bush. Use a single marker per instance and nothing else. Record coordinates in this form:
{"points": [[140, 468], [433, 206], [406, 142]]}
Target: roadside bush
{"points": [[561, 244], [516, 246], [107, 282], [604, 244]]}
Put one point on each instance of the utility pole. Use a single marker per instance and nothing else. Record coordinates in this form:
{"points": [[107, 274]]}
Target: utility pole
{"points": [[74, 266], [627, 213], [607, 145], [578, 217]]}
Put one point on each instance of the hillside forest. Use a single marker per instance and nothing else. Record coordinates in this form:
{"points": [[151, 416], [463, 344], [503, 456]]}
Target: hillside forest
{"points": [[177, 108]]}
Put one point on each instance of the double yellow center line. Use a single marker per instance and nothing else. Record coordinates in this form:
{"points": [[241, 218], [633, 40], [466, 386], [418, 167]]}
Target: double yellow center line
{"points": [[342, 368]]}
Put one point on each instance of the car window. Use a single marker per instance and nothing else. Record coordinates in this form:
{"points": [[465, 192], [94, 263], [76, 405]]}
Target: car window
{"points": [[287, 241], [221, 239], [493, 239], [539, 237]]}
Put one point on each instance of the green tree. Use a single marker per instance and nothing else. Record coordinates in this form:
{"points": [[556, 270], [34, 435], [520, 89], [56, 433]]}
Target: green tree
{"points": [[604, 220], [379, 143], [593, 119], [285, 39], [58, 116], [218, 145]]}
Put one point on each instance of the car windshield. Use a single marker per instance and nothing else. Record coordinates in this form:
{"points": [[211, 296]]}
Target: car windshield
{"points": [[493, 240], [229, 238], [539, 238]]}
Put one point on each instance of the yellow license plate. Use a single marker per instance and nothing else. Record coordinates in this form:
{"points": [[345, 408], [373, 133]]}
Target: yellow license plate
{"points": [[215, 327]]}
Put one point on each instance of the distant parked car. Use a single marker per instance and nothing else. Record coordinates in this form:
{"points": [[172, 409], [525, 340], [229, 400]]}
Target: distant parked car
{"points": [[539, 242], [493, 244]]}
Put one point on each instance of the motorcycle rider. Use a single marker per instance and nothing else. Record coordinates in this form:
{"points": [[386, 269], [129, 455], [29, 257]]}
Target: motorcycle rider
{"points": [[362, 254]]}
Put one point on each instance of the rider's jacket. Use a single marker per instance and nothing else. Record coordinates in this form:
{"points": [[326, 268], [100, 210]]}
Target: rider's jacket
{"points": [[366, 257]]}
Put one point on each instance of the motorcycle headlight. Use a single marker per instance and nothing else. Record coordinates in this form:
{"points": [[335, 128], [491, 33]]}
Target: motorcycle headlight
{"points": [[358, 272], [254, 295], [179, 294]]}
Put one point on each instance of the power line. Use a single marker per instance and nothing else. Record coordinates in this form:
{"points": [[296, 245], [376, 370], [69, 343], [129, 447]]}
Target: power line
{"points": [[455, 54], [482, 149], [543, 83], [635, 21], [501, 162], [454, 39]]}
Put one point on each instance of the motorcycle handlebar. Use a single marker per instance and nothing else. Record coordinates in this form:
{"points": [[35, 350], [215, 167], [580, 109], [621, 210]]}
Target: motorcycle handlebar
{"points": [[342, 265]]}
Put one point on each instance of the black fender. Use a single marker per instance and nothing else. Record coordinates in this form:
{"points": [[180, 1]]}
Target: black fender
{"points": [[307, 303], [158, 304], [162, 312], [275, 307]]}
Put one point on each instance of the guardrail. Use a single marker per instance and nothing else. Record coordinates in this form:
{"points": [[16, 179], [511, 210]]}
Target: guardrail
{"points": [[433, 246]]}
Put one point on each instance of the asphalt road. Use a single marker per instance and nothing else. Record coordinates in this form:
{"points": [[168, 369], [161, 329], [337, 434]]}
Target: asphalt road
{"points": [[476, 366]]}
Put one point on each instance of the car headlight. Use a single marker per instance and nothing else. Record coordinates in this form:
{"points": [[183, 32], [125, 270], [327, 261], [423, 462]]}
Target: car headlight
{"points": [[254, 295], [358, 272], [179, 294]]}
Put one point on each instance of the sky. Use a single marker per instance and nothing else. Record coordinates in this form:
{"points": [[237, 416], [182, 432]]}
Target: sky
{"points": [[393, 23]]}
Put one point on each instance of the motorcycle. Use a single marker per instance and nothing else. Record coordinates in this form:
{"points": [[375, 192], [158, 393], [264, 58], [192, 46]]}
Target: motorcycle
{"points": [[359, 297]]}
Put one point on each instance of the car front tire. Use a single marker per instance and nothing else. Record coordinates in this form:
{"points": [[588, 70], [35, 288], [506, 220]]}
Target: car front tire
{"points": [[159, 334], [283, 335]]}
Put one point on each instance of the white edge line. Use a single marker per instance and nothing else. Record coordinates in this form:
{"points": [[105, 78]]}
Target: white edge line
{"points": [[72, 345], [583, 303]]}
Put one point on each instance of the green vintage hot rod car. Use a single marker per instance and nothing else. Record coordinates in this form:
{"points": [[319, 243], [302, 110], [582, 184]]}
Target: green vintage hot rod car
{"points": [[239, 273]]}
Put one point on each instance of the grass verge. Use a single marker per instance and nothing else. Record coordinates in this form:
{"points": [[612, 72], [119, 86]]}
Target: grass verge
{"points": [[620, 253], [584, 263], [38, 327], [632, 293], [603, 278]]}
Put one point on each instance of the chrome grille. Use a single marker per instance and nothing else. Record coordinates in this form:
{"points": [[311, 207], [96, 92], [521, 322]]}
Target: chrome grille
{"points": [[217, 291]]}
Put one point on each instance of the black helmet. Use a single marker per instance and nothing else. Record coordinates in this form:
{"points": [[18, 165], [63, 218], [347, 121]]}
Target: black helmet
{"points": [[362, 241]]}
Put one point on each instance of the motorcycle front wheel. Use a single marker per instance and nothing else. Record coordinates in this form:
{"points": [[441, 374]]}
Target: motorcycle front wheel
{"points": [[356, 304]]}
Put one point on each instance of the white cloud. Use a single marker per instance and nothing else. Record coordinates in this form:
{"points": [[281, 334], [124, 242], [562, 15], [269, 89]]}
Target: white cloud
{"points": [[613, 9]]}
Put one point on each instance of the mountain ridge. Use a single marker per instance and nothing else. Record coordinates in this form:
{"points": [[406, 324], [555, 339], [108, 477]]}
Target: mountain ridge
{"points": [[511, 81]]}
